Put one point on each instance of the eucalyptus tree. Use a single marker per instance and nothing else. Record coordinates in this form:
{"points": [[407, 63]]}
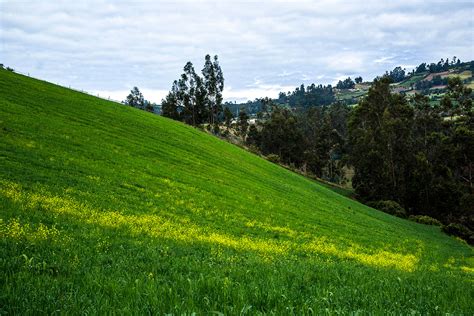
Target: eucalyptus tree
{"points": [[214, 83]]}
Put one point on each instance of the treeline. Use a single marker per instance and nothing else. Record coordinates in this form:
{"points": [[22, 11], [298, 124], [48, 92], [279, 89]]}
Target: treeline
{"points": [[197, 100], [312, 139], [302, 97], [420, 156], [442, 65], [399, 74], [408, 156], [347, 83], [305, 97]]}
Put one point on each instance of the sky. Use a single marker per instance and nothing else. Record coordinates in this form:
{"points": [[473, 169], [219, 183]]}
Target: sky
{"points": [[264, 47]]}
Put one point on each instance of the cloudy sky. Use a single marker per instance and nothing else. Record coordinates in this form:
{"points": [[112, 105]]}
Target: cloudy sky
{"points": [[264, 47]]}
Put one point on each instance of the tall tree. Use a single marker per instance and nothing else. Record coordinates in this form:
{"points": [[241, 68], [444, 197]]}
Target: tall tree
{"points": [[379, 131], [228, 116], [214, 82], [169, 106], [187, 93], [243, 123], [200, 101], [282, 135], [135, 99]]}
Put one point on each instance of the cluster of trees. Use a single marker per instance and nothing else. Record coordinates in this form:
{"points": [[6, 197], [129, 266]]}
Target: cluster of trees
{"points": [[250, 107], [197, 100], [407, 150], [136, 100], [397, 74], [304, 97], [442, 65], [348, 83], [311, 139], [414, 153]]}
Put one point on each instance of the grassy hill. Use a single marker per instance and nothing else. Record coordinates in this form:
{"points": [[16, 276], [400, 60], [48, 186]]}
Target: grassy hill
{"points": [[108, 209]]}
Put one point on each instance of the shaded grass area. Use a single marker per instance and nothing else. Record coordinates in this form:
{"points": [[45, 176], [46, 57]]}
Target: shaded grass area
{"points": [[105, 209]]}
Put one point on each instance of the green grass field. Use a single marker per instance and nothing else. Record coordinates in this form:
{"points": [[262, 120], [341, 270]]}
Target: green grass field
{"points": [[463, 75], [347, 94], [412, 80], [105, 209]]}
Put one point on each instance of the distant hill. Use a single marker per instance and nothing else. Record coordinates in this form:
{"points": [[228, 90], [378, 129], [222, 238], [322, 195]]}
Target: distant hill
{"points": [[107, 209], [430, 83]]}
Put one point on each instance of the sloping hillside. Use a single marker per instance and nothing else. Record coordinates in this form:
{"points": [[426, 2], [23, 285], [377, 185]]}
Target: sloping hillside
{"points": [[105, 208], [426, 83]]}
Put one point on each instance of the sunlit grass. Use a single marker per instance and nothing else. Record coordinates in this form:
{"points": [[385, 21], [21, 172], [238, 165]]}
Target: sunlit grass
{"points": [[178, 229], [106, 209]]}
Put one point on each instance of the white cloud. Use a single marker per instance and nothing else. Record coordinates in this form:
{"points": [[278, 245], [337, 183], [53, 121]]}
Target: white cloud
{"points": [[111, 46]]}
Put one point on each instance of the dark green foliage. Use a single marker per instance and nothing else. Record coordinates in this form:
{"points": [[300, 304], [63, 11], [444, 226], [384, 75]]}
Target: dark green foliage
{"points": [[459, 230], [413, 153], [196, 100], [253, 136], [228, 116], [467, 204], [251, 107], [380, 129], [323, 142], [186, 94], [282, 135], [348, 83], [317, 136], [243, 123], [389, 207], [305, 97], [421, 68], [136, 99], [273, 158], [443, 65], [424, 219], [201, 110], [397, 74], [169, 106], [358, 79], [214, 83]]}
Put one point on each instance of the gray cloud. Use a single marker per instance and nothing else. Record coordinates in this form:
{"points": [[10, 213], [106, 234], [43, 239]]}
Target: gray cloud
{"points": [[264, 47]]}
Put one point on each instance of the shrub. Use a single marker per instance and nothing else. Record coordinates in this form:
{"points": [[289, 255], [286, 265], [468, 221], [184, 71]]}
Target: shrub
{"points": [[424, 219], [273, 158], [459, 230], [254, 149], [389, 207]]}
